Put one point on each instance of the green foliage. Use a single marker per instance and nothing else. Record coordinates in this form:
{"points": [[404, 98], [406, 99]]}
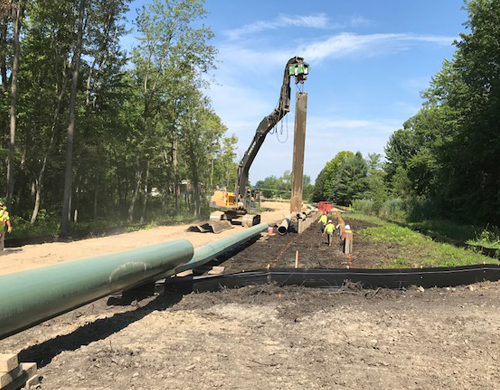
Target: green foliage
{"points": [[147, 144], [399, 209], [273, 187], [47, 225], [448, 152], [343, 179], [489, 237], [417, 249]]}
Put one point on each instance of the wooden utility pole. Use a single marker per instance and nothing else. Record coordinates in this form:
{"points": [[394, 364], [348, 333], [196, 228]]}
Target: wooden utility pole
{"points": [[299, 143]]}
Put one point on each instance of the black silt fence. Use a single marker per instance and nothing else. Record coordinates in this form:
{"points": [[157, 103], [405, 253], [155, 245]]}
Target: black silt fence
{"points": [[336, 277]]}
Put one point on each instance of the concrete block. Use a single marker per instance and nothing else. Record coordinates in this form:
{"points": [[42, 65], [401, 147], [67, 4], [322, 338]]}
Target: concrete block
{"points": [[185, 273], [17, 377], [8, 362]]}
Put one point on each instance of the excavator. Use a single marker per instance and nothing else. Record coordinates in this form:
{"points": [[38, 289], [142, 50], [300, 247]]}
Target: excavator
{"points": [[242, 202]]}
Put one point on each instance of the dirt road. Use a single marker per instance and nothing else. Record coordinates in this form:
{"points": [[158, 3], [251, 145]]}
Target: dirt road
{"points": [[35, 256]]}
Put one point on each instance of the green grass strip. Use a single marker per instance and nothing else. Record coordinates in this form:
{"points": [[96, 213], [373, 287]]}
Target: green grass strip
{"points": [[416, 249]]}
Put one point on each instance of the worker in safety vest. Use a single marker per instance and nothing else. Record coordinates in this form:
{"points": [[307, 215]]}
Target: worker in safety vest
{"points": [[329, 230], [347, 245], [4, 220], [322, 221]]}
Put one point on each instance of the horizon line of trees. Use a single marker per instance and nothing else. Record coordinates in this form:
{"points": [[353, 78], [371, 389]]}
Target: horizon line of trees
{"points": [[92, 132], [273, 187]]}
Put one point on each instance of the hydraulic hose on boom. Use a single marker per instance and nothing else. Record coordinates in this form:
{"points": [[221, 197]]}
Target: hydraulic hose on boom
{"points": [[294, 67]]}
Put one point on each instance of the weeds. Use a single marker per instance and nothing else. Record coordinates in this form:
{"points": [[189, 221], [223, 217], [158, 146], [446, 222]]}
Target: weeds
{"points": [[416, 249], [488, 238], [422, 215]]}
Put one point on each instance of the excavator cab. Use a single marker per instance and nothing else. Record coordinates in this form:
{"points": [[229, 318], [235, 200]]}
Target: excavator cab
{"points": [[252, 200], [300, 70]]}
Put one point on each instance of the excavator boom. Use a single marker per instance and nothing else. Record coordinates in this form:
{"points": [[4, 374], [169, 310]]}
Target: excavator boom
{"points": [[232, 206], [295, 67]]}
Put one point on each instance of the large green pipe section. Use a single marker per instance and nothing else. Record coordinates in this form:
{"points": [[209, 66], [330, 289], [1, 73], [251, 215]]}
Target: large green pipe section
{"points": [[30, 297], [207, 252]]}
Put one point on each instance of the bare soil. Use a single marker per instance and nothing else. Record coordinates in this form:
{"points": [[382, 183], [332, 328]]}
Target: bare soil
{"points": [[280, 251], [270, 337]]}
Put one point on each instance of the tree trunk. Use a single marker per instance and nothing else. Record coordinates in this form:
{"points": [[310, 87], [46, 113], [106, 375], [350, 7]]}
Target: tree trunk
{"points": [[96, 192], [146, 194], [36, 207], [176, 175], [16, 21], [3, 52], [168, 181], [3, 74], [65, 215], [138, 179], [41, 173], [196, 194]]}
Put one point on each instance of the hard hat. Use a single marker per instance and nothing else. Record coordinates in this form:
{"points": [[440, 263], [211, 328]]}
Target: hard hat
{"points": [[329, 221], [347, 227]]}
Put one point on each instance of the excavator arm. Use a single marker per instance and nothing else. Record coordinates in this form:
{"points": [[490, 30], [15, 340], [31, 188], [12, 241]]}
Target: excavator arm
{"points": [[295, 67]]}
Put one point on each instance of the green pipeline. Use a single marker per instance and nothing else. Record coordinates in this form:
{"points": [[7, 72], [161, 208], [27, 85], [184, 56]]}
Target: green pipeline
{"points": [[30, 297], [207, 252]]}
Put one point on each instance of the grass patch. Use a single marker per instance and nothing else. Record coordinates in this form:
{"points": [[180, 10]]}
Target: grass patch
{"points": [[415, 249], [421, 214], [447, 229], [488, 238]]}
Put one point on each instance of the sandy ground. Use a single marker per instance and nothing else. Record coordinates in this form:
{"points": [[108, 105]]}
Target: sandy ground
{"points": [[35, 256]]}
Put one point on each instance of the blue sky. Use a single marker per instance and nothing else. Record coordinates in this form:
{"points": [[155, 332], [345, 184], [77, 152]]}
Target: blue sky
{"points": [[368, 62]]}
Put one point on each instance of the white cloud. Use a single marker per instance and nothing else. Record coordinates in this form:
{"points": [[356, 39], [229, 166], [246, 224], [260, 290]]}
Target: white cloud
{"points": [[406, 109], [347, 44], [343, 45], [357, 21], [416, 84], [375, 125], [250, 87], [319, 21]]}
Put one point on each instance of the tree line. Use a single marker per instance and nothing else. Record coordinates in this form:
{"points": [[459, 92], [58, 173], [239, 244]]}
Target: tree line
{"points": [[273, 187], [449, 152], [445, 161], [348, 177], [94, 132]]}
